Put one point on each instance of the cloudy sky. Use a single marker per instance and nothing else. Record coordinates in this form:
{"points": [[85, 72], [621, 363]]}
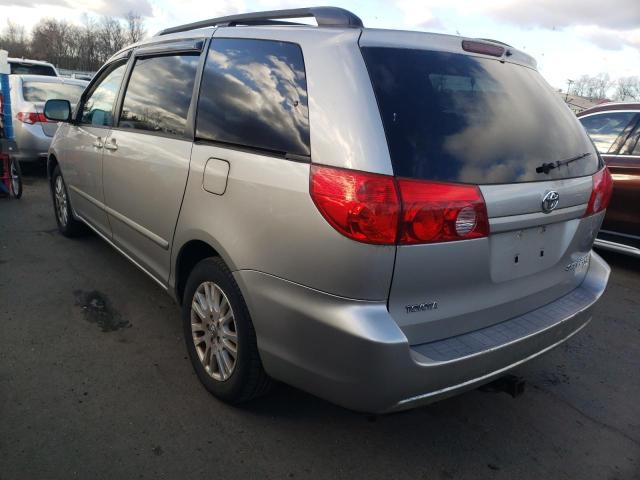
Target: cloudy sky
{"points": [[567, 37]]}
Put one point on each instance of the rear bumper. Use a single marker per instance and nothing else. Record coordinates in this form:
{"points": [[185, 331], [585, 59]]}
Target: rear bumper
{"points": [[352, 353], [33, 144], [24, 156]]}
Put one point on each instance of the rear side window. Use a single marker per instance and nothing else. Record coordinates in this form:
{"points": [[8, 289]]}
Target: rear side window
{"points": [[461, 118], [43, 91], [31, 69], [605, 128], [254, 94], [159, 93]]}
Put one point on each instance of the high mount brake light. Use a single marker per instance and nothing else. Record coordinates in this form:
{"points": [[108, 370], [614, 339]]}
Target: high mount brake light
{"points": [[383, 210], [483, 48], [601, 192]]}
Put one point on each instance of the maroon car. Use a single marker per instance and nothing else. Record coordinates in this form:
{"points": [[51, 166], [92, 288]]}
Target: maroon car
{"points": [[615, 130]]}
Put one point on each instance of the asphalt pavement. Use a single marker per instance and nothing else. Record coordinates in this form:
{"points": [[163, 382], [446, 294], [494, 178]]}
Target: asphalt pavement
{"points": [[95, 384]]}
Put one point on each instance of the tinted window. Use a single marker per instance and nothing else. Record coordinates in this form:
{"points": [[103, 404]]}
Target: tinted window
{"points": [[159, 93], [254, 93], [632, 146], [460, 118], [605, 128], [43, 91], [98, 106], [31, 69]]}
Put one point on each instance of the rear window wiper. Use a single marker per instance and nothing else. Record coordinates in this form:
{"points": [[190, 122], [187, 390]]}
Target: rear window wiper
{"points": [[547, 167]]}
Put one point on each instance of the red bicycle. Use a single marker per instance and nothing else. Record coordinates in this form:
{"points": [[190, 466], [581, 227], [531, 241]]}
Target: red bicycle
{"points": [[10, 176]]}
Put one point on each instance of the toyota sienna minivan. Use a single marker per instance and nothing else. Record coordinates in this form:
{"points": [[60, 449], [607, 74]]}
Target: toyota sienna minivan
{"points": [[381, 218]]}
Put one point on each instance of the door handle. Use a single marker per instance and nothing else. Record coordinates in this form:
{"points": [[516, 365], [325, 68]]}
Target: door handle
{"points": [[98, 143], [111, 145]]}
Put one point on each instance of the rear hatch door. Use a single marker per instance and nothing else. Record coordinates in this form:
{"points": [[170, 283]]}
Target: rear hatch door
{"points": [[529, 260], [456, 117]]}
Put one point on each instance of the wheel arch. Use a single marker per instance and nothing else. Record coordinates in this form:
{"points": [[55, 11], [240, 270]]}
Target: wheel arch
{"points": [[52, 161], [187, 257]]}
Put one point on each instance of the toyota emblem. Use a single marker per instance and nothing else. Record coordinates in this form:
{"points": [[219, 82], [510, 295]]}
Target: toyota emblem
{"points": [[550, 201]]}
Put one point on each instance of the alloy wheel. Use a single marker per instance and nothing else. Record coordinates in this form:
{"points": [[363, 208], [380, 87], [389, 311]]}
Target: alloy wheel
{"points": [[213, 329], [15, 179], [62, 206]]}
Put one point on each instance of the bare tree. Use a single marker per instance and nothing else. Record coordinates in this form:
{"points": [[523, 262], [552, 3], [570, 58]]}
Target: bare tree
{"points": [[14, 40], [593, 87], [15, 33], [111, 37], [48, 39], [601, 85], [71, 46], [135, 31], [89, 52], [579, 87], [628, 88]]}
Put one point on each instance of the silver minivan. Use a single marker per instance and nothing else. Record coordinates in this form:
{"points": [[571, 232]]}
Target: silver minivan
{"points": [[381, 218]]}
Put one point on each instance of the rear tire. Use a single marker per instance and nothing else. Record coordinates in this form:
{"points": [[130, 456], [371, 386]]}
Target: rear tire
{"points": [[67, 225], [219, 334], [16, 178]]}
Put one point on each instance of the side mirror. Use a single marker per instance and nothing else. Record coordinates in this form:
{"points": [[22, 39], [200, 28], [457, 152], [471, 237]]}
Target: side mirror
{"points": [[58, 110]]}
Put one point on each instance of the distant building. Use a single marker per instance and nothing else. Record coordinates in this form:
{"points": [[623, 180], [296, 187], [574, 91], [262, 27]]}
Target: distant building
{"points": [[578, 104], [80, 75]]}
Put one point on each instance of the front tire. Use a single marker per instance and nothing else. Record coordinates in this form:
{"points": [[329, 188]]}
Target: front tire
{"points": [[67, 225], [219, 334]]}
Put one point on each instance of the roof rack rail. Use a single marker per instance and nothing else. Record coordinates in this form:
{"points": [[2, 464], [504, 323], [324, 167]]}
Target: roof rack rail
{"points": [[325, 17]]}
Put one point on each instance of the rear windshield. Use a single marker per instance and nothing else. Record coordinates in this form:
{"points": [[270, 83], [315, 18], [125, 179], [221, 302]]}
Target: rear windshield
{"points": [[459, 118], [43, 91], [32, 69]]}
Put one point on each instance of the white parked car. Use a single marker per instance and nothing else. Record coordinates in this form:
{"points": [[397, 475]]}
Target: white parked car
{"points": [[22, 66]]}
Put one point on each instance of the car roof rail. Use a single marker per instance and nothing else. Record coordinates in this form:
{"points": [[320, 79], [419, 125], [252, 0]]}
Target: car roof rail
{"points": [[324, 16]]}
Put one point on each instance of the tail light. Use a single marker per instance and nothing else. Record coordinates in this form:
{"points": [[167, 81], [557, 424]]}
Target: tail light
{"points": [[31, 117], [441, 212], [383, 210], [601, 192], [361, 206]]}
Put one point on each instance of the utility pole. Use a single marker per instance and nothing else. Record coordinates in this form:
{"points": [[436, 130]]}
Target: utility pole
{"points": [[569, 83], [6, 143]]}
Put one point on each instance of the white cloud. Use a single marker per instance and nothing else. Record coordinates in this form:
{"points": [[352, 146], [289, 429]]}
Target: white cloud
{"points": [[169, 14], [116, 8], [419, 13], [610, 26], [613, 14], [610, 39]]}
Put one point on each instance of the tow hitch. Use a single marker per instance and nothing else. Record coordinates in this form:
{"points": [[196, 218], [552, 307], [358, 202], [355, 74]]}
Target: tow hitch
{"points": [[511, 384]]}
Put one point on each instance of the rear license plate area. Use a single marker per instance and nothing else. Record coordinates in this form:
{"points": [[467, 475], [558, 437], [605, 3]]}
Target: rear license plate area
{"points": [[527, 251]]}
